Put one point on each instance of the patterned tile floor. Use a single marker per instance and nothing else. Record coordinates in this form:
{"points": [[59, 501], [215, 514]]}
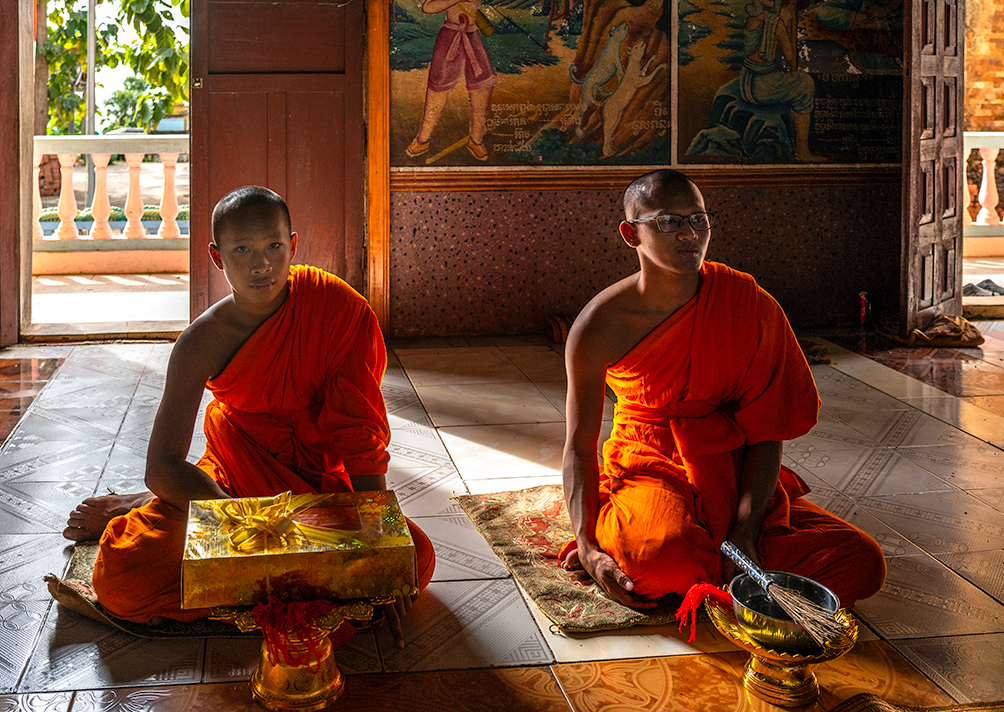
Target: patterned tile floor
{"points": [[907, 447]]}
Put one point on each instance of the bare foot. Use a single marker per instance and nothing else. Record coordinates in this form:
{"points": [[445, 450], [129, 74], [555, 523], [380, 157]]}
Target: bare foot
{"points": [[88, 520], [571, 561]]}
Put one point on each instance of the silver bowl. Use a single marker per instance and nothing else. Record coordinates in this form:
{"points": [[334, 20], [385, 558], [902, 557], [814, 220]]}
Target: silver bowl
{"points": [[766, 622]]}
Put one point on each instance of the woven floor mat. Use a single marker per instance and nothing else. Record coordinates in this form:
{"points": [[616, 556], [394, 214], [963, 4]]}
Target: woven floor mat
{"points": [[76, 593], [526, 528]]}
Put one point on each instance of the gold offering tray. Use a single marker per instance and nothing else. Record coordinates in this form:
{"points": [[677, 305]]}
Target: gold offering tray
{"points": [[781, 678]]}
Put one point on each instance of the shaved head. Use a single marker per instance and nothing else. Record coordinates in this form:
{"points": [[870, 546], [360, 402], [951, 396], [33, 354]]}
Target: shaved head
{"points": [[644, 190], [252, 202]]}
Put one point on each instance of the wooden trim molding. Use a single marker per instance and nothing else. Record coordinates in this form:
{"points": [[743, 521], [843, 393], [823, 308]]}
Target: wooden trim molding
{"points": [[378, 159], [616, 178]]}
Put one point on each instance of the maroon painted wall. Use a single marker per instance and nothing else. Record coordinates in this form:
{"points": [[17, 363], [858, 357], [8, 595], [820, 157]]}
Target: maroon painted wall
{"points": [[481, 263]]}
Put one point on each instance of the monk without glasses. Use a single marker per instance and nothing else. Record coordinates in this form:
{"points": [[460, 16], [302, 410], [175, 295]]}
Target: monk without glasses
{"points": [[709, 380], [294, 358]]}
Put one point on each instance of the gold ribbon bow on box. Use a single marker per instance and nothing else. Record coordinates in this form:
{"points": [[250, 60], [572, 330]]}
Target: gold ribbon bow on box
{"points": [[251, 525]]}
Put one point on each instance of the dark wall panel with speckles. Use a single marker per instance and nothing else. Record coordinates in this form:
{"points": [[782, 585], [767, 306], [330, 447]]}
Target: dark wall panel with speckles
{"points": [[481, 263]]}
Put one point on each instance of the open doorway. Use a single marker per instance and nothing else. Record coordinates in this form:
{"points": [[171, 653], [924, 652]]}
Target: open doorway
{"points": [[983, 232], [110, 217]]}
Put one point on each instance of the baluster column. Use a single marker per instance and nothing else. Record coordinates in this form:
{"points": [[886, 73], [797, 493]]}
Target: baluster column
{"points": [[134, 199], [988, 189], [169, 201], [67, 229], [101, 208], [36, 200]]}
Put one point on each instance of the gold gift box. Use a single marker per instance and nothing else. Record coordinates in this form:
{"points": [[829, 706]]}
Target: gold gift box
{"points": [[368, 552]]}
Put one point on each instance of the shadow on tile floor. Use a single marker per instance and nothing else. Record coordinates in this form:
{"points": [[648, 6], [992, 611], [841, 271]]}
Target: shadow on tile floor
{"points": [[923, 479]]}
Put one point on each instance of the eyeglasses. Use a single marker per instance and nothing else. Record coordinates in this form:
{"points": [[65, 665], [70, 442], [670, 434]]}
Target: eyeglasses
{"points": [[673, 223]]}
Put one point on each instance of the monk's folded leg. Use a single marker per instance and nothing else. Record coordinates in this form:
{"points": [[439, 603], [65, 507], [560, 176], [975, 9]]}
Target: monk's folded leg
{"points": [[424, 553], [827, 549], [650, 529], [137, 575]]}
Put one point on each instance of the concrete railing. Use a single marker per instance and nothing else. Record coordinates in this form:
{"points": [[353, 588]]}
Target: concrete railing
{"points": [[984, 236], [101, 149]]}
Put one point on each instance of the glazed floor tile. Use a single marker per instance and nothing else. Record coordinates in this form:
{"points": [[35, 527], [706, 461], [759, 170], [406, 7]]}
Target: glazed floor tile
{"points": [[487, 403], [45, 702], [892, 542], [961, 665], [20, 623], [60, 461], [829, 433], [524, 689], [637, 642], [713, 683], [923, 598], [991, 404], [504, 451], [510, 484], [555, 391], [26, 369], [908, 428], [972, 466], [25, 560], [993, 497], [844, 394], [427, 492], [861, 472], [76, 653], [539, 363], [39, 508], [966, 416], [230, 659], [983, 568], [466, 624], [461, 552], [442, 367], [940, 522]]}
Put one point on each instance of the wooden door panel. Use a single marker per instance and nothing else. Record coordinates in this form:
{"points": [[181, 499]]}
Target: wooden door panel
{"points": [[932, 188], [262, 38], [318, 214], [277, 100]]}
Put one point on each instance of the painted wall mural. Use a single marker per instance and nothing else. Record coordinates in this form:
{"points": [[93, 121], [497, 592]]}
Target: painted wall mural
{"points": [[509, 83]]}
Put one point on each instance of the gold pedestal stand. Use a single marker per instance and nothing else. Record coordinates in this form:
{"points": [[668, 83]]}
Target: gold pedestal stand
{"points": [[275, 684], [280, 686], [781, 678]]}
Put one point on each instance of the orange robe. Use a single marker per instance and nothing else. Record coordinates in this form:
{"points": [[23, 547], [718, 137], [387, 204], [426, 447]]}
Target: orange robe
{"points": [[298, 408], [723, 372]]}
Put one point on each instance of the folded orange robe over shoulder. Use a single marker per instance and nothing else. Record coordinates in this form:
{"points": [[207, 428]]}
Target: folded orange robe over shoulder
{"points": [[298, 408], [723, 372]]}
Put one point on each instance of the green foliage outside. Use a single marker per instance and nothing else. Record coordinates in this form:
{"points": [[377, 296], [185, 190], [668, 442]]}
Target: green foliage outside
{"points": [[136, 105], [159, 57]]}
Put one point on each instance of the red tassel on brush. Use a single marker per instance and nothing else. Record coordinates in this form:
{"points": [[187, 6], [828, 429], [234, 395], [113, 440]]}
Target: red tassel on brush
{"points": [[693, 600]]}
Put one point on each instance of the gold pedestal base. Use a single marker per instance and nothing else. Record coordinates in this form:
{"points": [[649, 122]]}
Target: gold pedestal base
{"points": [[781, 678], [278, 686]]}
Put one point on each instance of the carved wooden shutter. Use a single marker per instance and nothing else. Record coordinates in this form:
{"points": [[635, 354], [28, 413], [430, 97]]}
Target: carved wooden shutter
{"points": [[933, 162]]}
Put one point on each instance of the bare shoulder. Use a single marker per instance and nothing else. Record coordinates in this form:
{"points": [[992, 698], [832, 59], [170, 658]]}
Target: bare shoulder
{"points": [[599, 330], [205, 348]]}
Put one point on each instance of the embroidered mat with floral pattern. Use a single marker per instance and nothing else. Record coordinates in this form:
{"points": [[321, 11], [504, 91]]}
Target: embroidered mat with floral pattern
{"points": [[526, 528]]}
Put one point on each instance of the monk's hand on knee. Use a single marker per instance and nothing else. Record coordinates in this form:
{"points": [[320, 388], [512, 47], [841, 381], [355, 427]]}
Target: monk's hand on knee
{"points": [[605, 571]]}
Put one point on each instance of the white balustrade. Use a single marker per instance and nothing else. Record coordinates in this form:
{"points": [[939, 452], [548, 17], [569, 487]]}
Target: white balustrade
{"points": [[989, 144], [101, 148]]}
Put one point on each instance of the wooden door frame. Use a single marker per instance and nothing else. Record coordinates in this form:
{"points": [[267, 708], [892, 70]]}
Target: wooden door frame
{"points": [[378, 159], [16, 110]]}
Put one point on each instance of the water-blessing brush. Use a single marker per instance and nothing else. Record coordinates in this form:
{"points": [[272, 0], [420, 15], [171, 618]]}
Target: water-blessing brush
{"points": [[817, 621]]}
